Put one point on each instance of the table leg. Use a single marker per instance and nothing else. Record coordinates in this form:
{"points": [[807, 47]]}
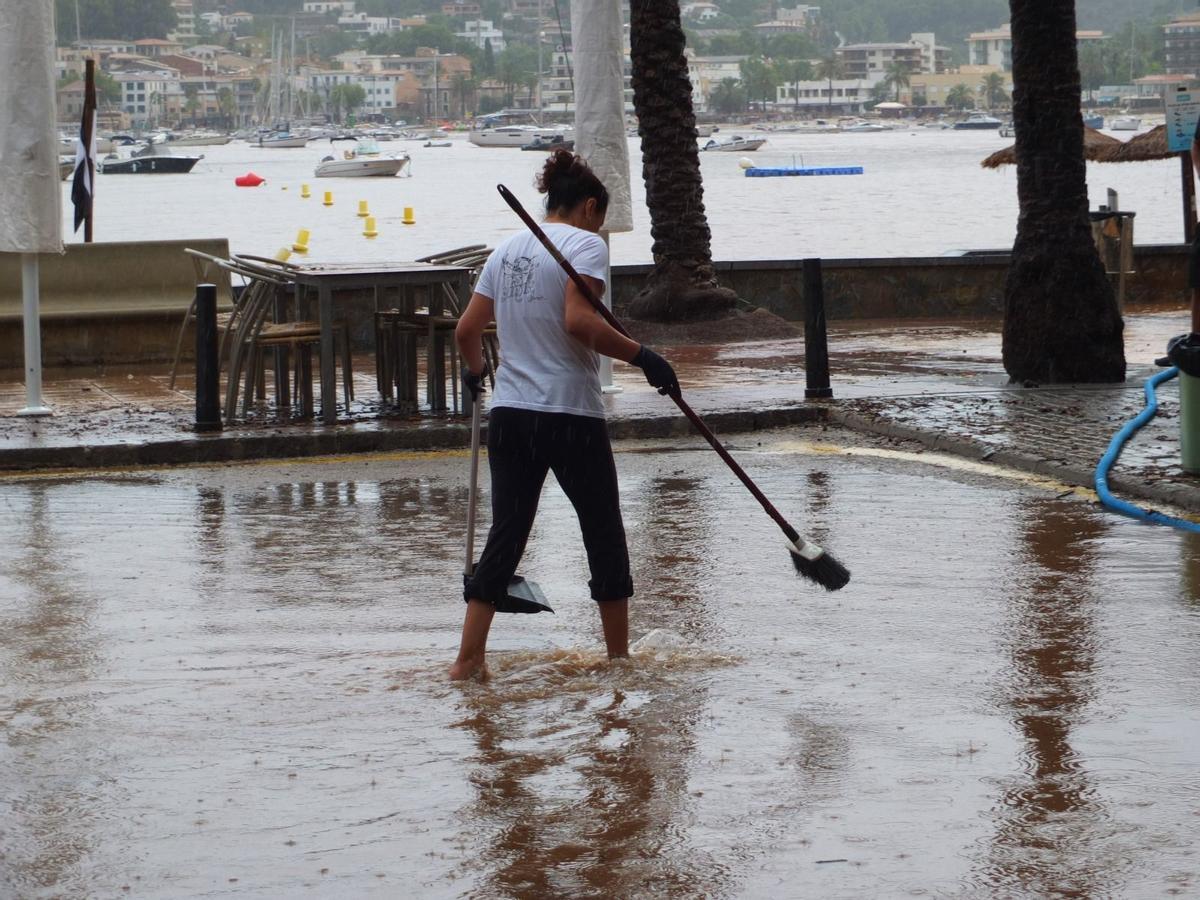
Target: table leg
{"points": [[328, 383]]}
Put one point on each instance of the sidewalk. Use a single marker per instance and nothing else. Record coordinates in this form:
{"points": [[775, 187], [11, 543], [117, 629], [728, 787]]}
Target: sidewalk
{"points": [[938, 384]]}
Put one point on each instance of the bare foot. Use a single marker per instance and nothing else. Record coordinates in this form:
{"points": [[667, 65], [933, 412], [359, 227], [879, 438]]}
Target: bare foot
{"points": [[464, 669]]}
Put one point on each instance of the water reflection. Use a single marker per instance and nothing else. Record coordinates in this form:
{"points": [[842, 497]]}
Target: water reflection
{"points": [[582, 773], [49, 644], [1189, 567], [1051, 825]]}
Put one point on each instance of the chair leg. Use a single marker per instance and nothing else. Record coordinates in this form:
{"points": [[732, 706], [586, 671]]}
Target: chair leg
{"points": [[347, 369], [187, 318]]}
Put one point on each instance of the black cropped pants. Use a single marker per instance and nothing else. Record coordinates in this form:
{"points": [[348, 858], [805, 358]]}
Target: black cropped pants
{"points": [[523, 445]]}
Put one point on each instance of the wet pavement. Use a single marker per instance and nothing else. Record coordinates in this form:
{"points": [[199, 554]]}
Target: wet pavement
{"points": [[229, 681], [939, 383]]}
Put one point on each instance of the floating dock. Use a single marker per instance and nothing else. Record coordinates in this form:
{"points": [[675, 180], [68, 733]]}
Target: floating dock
{"points": [[756, 172]]}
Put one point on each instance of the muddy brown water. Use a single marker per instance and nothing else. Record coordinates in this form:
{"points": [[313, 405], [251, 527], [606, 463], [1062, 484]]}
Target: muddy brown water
{"points": [[229, 682]]}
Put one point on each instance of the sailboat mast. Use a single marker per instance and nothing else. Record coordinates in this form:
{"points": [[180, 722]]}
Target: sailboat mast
{"points": [[539, 71]]}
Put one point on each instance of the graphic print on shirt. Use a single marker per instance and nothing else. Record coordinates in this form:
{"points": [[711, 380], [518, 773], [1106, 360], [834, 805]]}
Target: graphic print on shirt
{"points": [[519, 280]]}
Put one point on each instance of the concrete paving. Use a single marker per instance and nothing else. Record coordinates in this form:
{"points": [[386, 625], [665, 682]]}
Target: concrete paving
{"points": [[937, 383]]}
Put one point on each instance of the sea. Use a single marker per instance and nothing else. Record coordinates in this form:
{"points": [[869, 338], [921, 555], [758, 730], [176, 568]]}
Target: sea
{"points": [[923, 192]]}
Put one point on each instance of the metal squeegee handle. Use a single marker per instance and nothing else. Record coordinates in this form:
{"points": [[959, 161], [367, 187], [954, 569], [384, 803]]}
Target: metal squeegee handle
{"points": [[692, 416]]}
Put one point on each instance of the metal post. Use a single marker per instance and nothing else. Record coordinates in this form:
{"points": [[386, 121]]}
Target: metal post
{"points": [[30, 291], [816, 340], [208, 369]]}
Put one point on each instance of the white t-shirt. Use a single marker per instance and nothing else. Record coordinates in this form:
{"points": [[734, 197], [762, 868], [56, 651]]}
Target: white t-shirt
{"points": [[541, 366]]}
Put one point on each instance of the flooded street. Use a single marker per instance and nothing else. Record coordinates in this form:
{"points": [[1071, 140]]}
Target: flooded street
{"points": [[230, 681]]}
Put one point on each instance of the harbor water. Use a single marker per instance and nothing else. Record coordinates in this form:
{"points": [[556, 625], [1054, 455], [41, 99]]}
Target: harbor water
{"points": [[923, 193]]}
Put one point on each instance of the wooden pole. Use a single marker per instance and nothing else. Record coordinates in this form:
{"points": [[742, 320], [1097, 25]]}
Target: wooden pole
{"points": [[87, 133]]}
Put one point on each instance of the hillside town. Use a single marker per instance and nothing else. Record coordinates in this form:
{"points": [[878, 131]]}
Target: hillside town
{"points": [[331, 61]]}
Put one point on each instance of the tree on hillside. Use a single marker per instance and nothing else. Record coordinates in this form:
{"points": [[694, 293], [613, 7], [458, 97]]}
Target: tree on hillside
{"points": [[792, 72], [487, 65], [1061, 322], [830, 68], [992, 89], [127, 19], [683, 284], [898, 76], [960, 97], [727, 97], [759, 80], [463, 85], [344, 99]]}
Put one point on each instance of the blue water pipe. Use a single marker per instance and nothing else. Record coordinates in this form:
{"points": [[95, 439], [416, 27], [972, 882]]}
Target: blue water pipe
{"points": [[1114, 450]]}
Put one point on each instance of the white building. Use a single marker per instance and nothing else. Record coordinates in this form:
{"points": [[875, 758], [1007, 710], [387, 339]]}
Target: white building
{"points": [[706, 72], [361, 23], [849, 95], [321, 7], [479, 32], [185, 21], [149, 95], [802, 14], [700, 12], [994, 48], [557, 93], [379, 88], [920, 53]]}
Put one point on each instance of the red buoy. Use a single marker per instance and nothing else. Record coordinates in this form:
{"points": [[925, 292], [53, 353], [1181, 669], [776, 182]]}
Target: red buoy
{"points": [[249, 180]]}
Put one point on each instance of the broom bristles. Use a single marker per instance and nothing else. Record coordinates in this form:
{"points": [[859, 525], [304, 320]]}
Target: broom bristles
{"points": [[823, 569]]}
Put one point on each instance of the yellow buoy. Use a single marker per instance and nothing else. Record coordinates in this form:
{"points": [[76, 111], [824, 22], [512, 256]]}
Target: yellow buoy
{"points": [[301, 245], [362, 209], [328, 201], [369, 227], [304, 191], [282, 254], [408, 216]]}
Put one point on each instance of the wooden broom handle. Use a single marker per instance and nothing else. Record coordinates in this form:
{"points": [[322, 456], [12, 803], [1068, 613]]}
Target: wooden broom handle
{"points": [[692, 415]]}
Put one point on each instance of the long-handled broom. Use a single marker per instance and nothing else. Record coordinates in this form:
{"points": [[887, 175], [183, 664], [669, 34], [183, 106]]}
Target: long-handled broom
{"points": [[811, 561]]}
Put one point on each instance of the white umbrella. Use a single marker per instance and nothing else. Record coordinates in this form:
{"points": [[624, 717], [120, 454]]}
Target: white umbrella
{"points": [[597, 41], [29, 178]]}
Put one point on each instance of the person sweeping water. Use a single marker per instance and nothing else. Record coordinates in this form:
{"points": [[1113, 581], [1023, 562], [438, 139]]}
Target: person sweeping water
{"points": [[547, 412]]}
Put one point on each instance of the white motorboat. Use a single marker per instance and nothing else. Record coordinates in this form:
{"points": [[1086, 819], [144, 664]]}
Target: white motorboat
{"points": [[861, 125], [515, 128], [200, 139], [1125, 123], [735, 144], [279, 140], [362, 162]]}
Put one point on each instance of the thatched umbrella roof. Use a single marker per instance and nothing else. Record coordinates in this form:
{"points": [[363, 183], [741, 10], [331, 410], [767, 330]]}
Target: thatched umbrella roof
{"points": [[1146, 146], [1096, 146]]}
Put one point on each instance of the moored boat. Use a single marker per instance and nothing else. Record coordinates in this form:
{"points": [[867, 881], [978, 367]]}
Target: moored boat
{"points": [[735, 144], [514, 129], [280, 140], [1093, 121], [152, 159], [1125, 123], [555, 143], [358, 164], [978, 122]]}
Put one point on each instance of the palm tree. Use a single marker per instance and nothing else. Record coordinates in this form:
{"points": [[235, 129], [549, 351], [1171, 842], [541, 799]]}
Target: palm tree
{"points": [[831, 67], [898, 76], [960, 97], [1061, 322], [683, 284], [992, 87], [728, 96]]}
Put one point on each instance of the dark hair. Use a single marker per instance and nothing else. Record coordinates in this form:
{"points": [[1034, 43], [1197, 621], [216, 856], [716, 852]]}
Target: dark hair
{"points": [[567, 181]]}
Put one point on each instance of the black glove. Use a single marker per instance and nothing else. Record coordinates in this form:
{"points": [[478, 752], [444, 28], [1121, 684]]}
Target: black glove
{"points": [[657, 370], [473, 383]]}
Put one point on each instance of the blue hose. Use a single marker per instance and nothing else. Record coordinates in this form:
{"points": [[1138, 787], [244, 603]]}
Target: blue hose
{"points": [[1114, 450]]}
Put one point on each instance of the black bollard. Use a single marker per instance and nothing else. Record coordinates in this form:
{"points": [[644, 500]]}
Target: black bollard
{"points": [[208, 364], [816, 339]]}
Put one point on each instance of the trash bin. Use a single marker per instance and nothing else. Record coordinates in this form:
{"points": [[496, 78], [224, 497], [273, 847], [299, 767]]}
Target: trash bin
{"points": [[1184, 352]]}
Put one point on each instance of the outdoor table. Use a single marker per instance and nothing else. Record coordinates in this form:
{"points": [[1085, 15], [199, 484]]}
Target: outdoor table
{"points": [[330, 278]]}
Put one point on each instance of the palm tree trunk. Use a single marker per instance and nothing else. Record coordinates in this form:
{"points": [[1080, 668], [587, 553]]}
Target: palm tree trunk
{"points": [[683, 285], [1061, 322]]}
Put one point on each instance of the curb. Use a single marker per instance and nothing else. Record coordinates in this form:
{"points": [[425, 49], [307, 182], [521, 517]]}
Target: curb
{"points": [[1181, 496], [197, 449]]}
